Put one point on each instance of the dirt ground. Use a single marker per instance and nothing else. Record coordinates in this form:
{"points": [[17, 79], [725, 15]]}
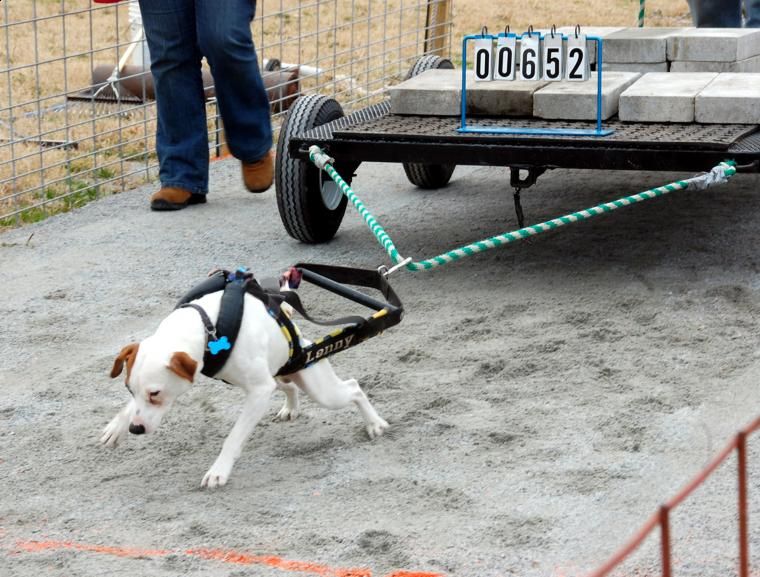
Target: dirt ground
{"points": [[543, 398]]}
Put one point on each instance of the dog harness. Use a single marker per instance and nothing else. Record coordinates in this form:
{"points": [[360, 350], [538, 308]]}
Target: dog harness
{"points": [[221, 336]]}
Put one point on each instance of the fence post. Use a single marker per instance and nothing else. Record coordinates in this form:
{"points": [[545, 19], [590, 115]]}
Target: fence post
{"points": [[665, 540], [437, 27], [741, 454]]}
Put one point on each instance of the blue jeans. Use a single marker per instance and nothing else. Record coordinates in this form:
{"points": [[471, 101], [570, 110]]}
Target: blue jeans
{"points": [[179, 34], [724, 13]]}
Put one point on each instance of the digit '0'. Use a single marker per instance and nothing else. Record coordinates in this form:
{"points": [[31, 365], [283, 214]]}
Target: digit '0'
{"points": [[482, 63]]}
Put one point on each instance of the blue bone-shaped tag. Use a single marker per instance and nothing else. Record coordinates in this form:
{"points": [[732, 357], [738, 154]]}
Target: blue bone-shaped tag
{"points": [[219, 345]]}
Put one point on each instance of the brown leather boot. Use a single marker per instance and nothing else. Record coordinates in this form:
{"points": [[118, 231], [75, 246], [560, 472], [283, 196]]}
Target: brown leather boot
{"points": [[173, 198], [258, 176]]}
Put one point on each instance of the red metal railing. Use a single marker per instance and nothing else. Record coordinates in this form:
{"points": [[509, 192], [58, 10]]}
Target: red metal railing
{"points": [[662, 517]]}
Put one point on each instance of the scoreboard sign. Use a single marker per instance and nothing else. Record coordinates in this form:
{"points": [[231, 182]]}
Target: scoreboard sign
{"points": [[553, 57]]}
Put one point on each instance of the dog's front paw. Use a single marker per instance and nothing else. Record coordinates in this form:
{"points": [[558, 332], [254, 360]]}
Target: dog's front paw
{"points": [[377, 428], [115, 431], [217, 475]]}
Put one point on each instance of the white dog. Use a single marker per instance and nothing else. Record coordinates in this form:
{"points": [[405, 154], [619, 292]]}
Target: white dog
{"points": [[164, 365]]}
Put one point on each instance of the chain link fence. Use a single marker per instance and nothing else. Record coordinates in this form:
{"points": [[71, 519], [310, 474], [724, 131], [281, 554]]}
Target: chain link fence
{"points": [[77, 114]]}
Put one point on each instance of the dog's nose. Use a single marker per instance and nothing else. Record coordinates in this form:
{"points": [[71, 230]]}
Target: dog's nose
{"points": [[137, 429]]}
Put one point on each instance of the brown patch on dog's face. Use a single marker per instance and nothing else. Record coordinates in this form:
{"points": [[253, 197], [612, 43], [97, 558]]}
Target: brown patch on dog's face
{"points": [[183, 365], [128, 354]]}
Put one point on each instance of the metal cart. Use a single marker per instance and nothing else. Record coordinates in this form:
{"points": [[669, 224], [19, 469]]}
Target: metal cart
{"points": [[429, 147]]}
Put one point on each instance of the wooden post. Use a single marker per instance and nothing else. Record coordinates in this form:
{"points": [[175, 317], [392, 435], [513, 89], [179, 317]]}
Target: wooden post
{"points": [[437, 27]]}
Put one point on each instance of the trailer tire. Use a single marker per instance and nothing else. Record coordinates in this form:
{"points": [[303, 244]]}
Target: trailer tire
{"points": [[429, 176], [311, 205]]}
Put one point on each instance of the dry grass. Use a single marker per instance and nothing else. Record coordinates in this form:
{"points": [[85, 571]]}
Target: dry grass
{"points": [[359, 46], [470, 15]]}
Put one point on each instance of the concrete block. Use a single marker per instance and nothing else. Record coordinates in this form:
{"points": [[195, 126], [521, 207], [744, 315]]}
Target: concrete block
{"points": [[434, 93], [638, 45], [602, 31], [714, 44], [732, 98], [439, 93], [577, 100], [747, 65], [642, 67], [663, 97]]}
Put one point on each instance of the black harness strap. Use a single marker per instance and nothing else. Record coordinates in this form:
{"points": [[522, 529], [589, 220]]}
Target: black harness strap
{"points": [[225, 332], [355, 329], [335, 279]]}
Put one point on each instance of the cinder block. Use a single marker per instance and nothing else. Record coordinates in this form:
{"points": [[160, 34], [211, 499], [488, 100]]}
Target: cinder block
{"points": [[747, 65], [601, 31], [663, 97], [714, 44], [577, 100], [638, 45], [730, 99], [642, 67], [438, 93], [434, 93]]}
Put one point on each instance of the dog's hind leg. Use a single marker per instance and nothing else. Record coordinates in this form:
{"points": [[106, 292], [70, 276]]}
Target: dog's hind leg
{"points": [[255, 405], [289, 410], [320, 382]]}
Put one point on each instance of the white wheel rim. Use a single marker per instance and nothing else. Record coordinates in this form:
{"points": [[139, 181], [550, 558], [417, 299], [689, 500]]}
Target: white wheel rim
{"points": [[331, 194]]}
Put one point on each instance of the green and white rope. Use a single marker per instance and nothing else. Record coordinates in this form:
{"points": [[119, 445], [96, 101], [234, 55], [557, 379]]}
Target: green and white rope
{"points": [[717, 175], [641, 13]]}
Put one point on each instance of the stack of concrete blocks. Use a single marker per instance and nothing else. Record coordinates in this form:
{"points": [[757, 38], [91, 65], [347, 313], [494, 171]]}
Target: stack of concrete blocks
{"points": [[705, 97], [715, 50], [637, 50]]}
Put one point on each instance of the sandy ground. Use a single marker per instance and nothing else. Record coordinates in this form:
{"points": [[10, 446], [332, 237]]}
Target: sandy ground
{"points": [[544, 398]]}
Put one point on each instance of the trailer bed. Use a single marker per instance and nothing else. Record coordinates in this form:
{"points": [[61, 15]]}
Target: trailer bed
{"points": [[374, 134]]}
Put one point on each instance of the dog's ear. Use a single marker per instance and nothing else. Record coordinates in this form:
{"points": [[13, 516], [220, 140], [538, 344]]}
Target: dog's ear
{"points": [[183, 365], [128, 354]]}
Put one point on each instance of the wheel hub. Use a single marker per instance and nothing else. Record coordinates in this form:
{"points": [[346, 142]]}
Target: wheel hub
{"points": [[331, 194]]}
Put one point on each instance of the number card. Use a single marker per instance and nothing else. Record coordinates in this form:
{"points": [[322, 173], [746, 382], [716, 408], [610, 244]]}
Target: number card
{"points": [[505, 58], [530, 57], [483, 59], [552, 59], [577, 64]]}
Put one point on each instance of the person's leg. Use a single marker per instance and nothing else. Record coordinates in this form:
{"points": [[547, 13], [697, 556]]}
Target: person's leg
{"points": [[225, 39], [181, 138], [716, 13], [753, 13]]}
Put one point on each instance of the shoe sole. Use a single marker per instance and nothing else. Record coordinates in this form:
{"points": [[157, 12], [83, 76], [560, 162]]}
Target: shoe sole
{"points": [[161, 205], [260, 190]]}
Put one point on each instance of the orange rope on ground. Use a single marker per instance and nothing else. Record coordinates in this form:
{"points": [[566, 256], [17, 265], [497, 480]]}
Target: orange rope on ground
{"points": [[36, 546], [220, 555]]}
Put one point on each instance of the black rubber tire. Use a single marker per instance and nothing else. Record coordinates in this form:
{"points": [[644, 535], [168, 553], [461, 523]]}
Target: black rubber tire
{"points": [[298, 183], [429, 62], [429, 176]]}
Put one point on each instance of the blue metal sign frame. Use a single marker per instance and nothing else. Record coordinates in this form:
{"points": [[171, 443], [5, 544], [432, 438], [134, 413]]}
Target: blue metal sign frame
{"points": [[598, 131]]}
